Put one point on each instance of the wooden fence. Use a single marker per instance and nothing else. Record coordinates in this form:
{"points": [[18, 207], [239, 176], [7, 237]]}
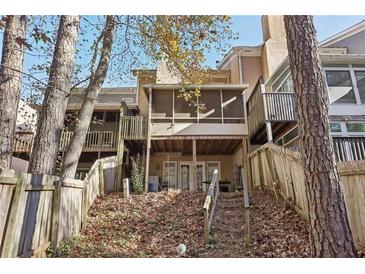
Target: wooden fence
{"points": [[281, 170], [36, 210]]}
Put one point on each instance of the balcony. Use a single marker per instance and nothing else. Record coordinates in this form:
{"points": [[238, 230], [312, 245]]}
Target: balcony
{"points": [[345, 148], [132, 128], [276, 108]]}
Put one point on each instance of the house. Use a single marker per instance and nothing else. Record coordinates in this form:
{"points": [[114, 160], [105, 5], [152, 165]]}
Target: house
{"points": [[247, 101], [185, 142], [271, 108]]}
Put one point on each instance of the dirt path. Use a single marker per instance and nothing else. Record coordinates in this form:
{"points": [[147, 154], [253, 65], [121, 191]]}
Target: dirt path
{"points": [[153, 225]]}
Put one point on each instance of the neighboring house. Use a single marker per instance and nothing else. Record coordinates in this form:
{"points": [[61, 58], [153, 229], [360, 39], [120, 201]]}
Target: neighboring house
{"points": [[25, 127], [102, 138], [271, 108]]}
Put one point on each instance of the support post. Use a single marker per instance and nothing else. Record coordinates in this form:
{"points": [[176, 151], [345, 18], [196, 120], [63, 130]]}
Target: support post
{"points": [[267, 118], [101, 178], [246, 162], [269, 132], [195, 185], [120, 152], [148, 148]]}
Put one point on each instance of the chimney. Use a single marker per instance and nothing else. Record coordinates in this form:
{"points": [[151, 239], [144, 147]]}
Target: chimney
{"points": [[275, 48], [165, 74]]}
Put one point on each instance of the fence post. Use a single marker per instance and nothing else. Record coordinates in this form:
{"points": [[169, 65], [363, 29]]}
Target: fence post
{"points": [[125, 188], [11, 241], [56, 206], [101, 178], [84, 206]]}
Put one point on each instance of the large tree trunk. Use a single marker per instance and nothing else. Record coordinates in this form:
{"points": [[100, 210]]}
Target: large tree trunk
{"points": [[330, 234], [50, 123], [10, 83], [74, 148]]}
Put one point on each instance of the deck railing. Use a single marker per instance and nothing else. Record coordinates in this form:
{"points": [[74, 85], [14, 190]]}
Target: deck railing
{"points": [[95, 140], [280, 106], [209, 204], [349, 148], [22, 142], [346, 148], [133, 128]]}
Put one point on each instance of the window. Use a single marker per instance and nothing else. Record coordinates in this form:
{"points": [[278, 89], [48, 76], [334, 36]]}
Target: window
{"points": [[289, 136], [360, 80], [355, 127], [340, 87], [335, 127], [278, 83], [287, 85]]}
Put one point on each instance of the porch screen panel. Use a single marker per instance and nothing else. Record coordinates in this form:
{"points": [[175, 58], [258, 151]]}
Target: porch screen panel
{"points": [[211, 102], [233, 111], [162, 106], [185, 107]]}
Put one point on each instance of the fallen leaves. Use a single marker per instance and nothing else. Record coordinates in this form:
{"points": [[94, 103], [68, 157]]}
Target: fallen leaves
{"points": [[155, 224]]}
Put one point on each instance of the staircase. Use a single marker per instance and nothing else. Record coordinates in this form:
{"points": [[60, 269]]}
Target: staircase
{"points": [[227, 228]]}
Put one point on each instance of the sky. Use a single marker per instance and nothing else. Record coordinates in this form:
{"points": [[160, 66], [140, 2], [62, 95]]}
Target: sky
{"points": [[249, 29]]}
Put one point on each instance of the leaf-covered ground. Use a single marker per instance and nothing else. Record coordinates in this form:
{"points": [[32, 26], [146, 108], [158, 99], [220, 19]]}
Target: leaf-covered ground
{"points": [[154, 224]]}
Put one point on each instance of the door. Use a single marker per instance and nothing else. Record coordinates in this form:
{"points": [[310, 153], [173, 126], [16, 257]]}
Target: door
{"points": [[201, 176], [170, 174], [185, 175], [211, 166]]}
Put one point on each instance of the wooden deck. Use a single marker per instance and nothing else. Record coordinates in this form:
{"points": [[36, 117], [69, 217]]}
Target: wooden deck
{"points": [[133, 128]]}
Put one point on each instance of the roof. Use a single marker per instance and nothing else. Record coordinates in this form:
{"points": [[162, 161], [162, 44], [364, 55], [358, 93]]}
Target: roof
{"points": [[325, 58], [240, 51], [354, 29], [106, 97], [202, 87]]}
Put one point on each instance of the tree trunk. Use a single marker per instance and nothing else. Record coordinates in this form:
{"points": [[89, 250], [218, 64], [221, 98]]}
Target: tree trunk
{"points": [[330, 234], [10, 83], [50, 123], [74, 148]]}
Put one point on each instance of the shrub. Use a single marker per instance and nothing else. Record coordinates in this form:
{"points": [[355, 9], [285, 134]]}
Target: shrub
{"points": [[138, 170]]}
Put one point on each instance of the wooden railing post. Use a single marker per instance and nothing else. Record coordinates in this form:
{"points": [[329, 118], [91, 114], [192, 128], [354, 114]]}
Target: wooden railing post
{"points": [[212, 194]]}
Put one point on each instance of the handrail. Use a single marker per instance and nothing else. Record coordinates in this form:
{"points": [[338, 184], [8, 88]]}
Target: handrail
{"points": [[209, 204]]}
